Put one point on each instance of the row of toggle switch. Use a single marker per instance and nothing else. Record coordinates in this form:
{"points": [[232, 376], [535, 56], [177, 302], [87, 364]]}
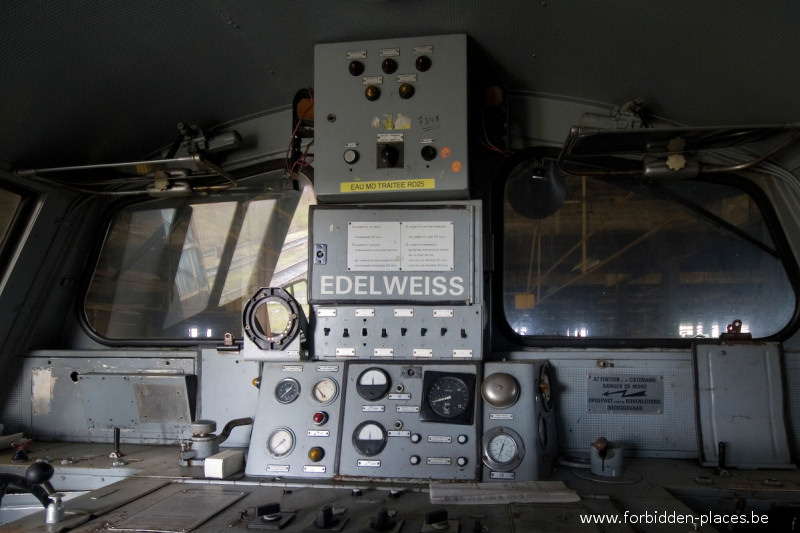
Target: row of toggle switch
{"points": [[384, 333]]}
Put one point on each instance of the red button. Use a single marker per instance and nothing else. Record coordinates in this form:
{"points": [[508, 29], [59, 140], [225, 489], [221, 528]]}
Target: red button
{"points": [[320, 418]]}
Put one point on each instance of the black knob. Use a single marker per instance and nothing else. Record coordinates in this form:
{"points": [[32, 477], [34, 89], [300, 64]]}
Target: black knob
{"points": [[356, 68], [428, 152], [382, 522], [423, 63], [389, 65], [389, 156], [325, 518], [438, 516], [39, 473]]}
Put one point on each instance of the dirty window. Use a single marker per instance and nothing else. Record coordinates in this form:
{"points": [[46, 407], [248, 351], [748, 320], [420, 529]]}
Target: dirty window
{"points": [[632, 260], [183, 269]]}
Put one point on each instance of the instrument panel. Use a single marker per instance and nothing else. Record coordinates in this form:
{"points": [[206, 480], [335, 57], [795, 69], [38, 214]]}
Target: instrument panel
{"points": [[404, 421]]}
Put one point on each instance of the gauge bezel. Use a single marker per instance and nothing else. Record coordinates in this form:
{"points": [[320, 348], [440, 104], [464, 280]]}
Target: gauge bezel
{"points": [[295, 390], [428, 414], [371, 452], [487, 439], [373, 393], [268, 445], [333, 396]]}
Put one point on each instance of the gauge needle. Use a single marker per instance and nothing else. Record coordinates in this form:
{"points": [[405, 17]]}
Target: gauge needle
{"points": [[441, 399]]}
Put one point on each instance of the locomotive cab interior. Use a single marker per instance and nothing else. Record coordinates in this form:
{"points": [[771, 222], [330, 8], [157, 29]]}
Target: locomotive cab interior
{"points": [[395, 266]]}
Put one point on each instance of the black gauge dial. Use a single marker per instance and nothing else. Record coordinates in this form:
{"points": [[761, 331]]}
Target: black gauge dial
{"points": [[373, 384], [287, 390], [448, 398], [369, 438]]}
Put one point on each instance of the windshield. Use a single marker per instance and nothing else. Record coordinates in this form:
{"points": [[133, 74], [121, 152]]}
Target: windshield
{"points": [[183, 269], [636, 260]]}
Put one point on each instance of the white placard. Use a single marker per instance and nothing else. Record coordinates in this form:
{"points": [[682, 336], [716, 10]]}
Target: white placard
{"points": [[417, 246]]}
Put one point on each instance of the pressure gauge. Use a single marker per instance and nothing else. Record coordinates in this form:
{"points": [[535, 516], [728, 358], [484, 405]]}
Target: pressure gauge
{"points": [[280, 442], [287, 390], [545, 387], [325, 391], [503, 449], [369, 438], [373, 384], [448, 398]]}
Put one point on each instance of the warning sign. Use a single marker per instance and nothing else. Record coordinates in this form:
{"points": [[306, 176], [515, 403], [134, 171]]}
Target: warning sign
{"points": [[625, 394], [388, 185]]}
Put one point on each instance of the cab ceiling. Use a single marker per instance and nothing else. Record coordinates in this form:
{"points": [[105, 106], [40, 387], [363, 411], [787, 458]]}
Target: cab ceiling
{"points": [[102, 81]]}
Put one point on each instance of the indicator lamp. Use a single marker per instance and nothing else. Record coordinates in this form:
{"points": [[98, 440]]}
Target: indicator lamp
{"points": [[320, 418], [372, 93], [316, 454], [406, 91]]}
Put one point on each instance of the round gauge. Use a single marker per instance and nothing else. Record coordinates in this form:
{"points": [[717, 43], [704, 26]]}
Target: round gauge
{"points": [[325, 391], [369, 438], [545, 387], [502, 449], [287, 390], [280, 442], [449, 397], [373, 384]]}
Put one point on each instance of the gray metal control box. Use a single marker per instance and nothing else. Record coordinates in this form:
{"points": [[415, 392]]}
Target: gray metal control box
{"points": [[296, 428], [397, 282], [520, 441], [390, 120], [410, 421]]}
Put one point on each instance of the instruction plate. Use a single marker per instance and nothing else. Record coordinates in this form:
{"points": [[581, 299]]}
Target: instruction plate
{"points": [[625, 394]]}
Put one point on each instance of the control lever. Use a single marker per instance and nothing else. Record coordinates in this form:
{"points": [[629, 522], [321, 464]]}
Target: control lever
{"points": [[204, 443], [37, 482], [721, 470]]}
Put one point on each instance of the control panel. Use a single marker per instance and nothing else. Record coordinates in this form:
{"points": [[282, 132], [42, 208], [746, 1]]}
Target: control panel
{"points": [[399, 282], [405, 420], [519, 426], [391, 119], [295, 432]]}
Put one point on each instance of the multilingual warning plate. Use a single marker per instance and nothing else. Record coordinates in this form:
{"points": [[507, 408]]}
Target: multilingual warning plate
{"points": [[625, 394]]}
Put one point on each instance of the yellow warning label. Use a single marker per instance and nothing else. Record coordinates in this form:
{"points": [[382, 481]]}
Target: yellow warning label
{"points": [[388, 185]]}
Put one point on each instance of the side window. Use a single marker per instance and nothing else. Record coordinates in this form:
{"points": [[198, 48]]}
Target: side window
{"points": [[634, 260], [10, 206], [182, 270]]}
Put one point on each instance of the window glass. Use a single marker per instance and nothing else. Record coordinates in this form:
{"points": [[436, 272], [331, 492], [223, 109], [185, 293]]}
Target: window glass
{"points": [[636, 260], [183, 269]]}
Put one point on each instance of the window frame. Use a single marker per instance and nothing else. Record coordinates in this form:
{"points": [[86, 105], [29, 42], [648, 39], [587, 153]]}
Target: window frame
{"points": [[506, 338], [18, 224], [106, 222]]}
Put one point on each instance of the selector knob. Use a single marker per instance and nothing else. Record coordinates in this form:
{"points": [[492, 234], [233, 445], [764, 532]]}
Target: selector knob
{"points": [[389, 155], [382, 521], [325, 518], [500, 390], [428, 152]]}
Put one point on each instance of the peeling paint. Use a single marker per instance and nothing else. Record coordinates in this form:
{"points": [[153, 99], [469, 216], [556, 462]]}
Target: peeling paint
{"points": [[42, 385]]}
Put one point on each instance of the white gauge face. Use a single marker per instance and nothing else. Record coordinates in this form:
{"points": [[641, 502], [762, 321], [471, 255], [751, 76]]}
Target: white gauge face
{"points": [[280, 442], [502, 448], [369, 438], [373, 376], [325, 391]]}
